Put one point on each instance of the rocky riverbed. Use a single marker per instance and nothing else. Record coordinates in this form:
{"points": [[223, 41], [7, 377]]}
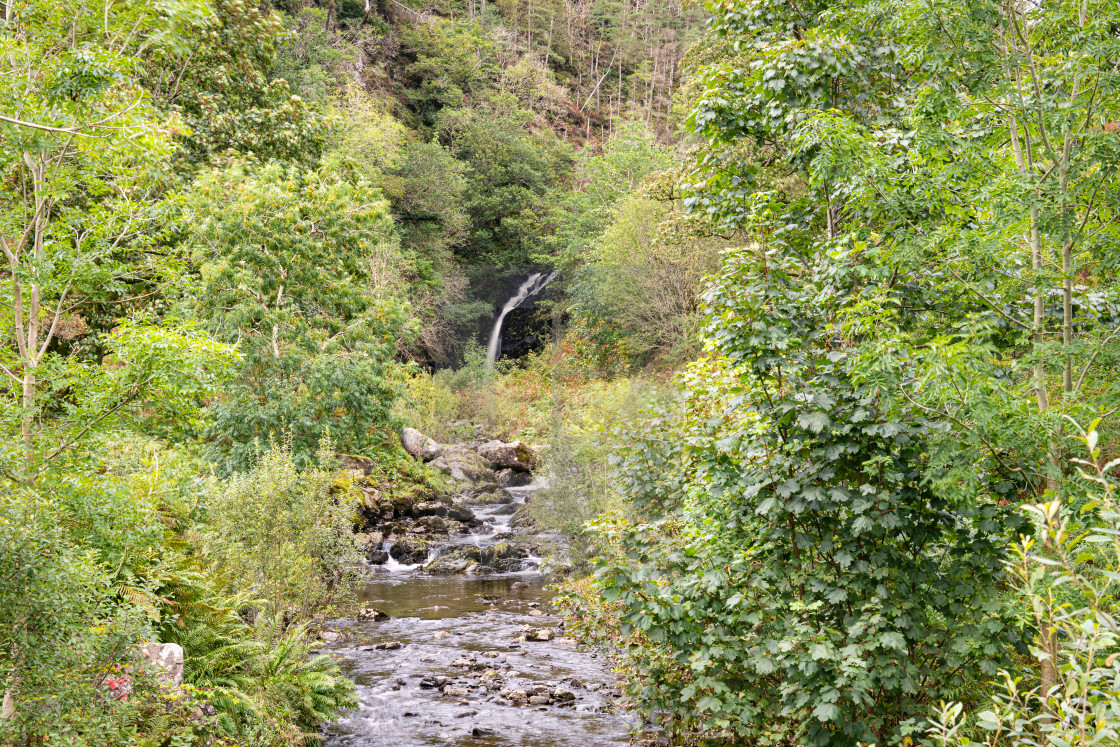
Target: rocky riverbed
{"points": [[456, 642]]}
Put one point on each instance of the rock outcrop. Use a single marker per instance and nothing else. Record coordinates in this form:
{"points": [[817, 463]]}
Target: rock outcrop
{"points": [[461, 462], [409, 551], [371, 614]]}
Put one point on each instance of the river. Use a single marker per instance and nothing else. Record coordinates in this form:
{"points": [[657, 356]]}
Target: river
{"points": [[457, 662]]}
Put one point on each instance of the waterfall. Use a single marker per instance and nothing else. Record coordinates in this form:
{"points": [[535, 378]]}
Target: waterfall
{"points": [[531, 287]]}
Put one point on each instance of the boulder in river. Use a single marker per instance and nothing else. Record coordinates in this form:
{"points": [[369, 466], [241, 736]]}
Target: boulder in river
{"points": [[460, 513], [453, 562], [514, 695], [429, 508], [462, 463], [507, 478], [491, 494], [371, 614], [522, 519], [501, 551], [409, 550], [515, 455], [419, 445], [540, 634], [432, 525]]}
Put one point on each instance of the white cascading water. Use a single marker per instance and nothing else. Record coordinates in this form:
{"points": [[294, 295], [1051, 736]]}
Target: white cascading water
{"points": [[531, 287]]}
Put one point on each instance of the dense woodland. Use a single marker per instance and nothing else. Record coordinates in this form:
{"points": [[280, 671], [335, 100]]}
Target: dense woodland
{"points": [[827, 380]]}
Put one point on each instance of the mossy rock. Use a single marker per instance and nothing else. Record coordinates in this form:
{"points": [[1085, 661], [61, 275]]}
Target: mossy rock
{"points": [[522, 518]]}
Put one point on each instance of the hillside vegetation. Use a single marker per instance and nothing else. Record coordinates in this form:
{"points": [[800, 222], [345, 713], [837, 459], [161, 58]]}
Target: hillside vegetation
{"points": [[825, 382]]}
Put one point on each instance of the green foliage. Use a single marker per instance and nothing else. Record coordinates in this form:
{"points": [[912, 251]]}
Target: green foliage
{"points": [[373, 138], [98, 563], [60, 633], [445, 63], [429, 404], [284, 261], [511, 174], [605, 179], [1065, 578], [815, 551], [648, 284], [282, 535], [587, 427], [219, 82], [636, 267], [798, 580], [309, 55], [427, 193]]}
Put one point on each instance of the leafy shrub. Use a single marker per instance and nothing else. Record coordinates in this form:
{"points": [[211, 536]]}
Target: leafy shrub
{"points": [[1065, 576], [61, 631], [282, 535], [430, 405], [791, 575], [588, 425]]}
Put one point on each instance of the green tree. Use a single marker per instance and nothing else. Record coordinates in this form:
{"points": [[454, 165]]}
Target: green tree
{"points": [[83, 144], [284, 261], [648, 282], [511, 173], [219, 80], [893, 337], [603, 180], [809, 585], [445, 65], [427, 190]]}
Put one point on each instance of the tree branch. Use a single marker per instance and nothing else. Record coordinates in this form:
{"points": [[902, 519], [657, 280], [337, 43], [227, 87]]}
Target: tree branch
{"points": [[136, 390]]}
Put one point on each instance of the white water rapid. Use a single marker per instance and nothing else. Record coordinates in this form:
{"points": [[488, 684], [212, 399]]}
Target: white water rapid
{"points": [[531, 287]]}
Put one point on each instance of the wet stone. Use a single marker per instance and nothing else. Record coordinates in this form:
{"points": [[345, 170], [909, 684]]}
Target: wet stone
{"points": [[540, 634], [514, 696], [371, 614]]}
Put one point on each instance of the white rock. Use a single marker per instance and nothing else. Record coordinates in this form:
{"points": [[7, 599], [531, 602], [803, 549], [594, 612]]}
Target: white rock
{"points": [[168, 661], [419, 445]]}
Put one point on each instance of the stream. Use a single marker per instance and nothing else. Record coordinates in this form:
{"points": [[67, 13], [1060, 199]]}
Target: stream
{"points": [[472, 658]]}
